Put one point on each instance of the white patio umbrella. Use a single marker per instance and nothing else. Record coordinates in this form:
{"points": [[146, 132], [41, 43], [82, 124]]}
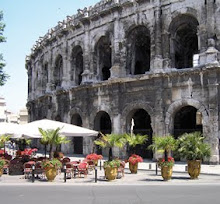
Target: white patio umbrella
{"points": [[31, 129], [8, 128]]}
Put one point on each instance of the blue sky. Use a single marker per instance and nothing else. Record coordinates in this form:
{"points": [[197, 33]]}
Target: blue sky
{"points": [[26, 21]]}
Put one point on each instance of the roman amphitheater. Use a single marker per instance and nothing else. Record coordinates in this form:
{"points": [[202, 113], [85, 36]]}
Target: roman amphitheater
{"points": [[156, 61]]}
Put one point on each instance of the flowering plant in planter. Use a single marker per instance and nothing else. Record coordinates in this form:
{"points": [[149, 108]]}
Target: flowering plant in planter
{"points": [[2, 151], [53, 163], [169, 162], [94, 156], [134, 158], [113, 163], [28, 151]]}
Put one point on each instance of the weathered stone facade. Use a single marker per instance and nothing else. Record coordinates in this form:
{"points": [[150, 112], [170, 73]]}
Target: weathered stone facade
{"points": [[124, 59]]}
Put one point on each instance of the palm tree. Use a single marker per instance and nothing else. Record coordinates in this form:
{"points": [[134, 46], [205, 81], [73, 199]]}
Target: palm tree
{"points": [[60, 140], [48, 138], [110, 141], [44, 140], [163, 144], [134, 140], [192, 147]]}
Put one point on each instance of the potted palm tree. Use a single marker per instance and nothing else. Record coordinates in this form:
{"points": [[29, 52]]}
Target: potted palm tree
{"points": [[110, 141], [165, 145], [51, 137], [51, 167], [132, 141], [192, 147]]}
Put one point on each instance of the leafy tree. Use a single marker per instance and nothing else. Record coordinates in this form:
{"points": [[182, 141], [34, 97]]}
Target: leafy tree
{"points": [[110, 141], [3, 75]]}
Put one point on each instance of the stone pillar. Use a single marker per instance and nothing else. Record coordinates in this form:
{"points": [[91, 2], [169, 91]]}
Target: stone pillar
{"points": [[210, 7], [50, 85], [202, 38], [65, 71], [87, 75], [213, 128], [158, 123], [116, 70], [157, 61]]}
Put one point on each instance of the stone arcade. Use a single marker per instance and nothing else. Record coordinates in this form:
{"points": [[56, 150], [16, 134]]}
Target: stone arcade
{"points": [[156, 61]]}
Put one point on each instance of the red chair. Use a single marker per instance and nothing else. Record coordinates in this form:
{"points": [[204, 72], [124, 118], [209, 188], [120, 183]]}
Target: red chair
{"points": [[121, 169], [39, 170], [27, 170], [83, 169], [6, 166], [69, 170], [91, 165], [65, 160]]}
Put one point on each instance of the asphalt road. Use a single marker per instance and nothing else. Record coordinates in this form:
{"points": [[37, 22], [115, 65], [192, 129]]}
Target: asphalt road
{"points": [[59, 194]]}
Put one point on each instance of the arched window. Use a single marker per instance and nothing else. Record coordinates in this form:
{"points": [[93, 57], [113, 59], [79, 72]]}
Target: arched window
{"points": [[138, 50], [103, 122], [44, 76], [187, 119], [77, 65], [103, 58], [58, 71], [76, 120], [184, 41]]}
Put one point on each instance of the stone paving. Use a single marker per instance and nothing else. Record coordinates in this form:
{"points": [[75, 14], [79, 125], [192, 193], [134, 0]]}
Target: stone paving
{"points": [[146, 176]]}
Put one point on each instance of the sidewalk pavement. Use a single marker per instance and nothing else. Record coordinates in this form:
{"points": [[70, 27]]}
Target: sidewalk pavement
{"points": [[179, 167], [210, 174]]}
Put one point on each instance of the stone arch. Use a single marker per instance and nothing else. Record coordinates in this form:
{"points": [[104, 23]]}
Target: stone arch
{"points": [[103, 57], [77, 64], [138, 50], [75, 111], [177, 105], [127, 114], [76, 120], [103, 122], [58, 71], [184, 40], [187, 11], [58, 118], [142, 117]]}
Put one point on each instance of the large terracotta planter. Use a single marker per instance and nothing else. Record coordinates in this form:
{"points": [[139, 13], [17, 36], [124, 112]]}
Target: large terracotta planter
{"points": [[51, 173], [1, 172], [133, 167], [166, 172], [194, 167], [111, 173]]}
